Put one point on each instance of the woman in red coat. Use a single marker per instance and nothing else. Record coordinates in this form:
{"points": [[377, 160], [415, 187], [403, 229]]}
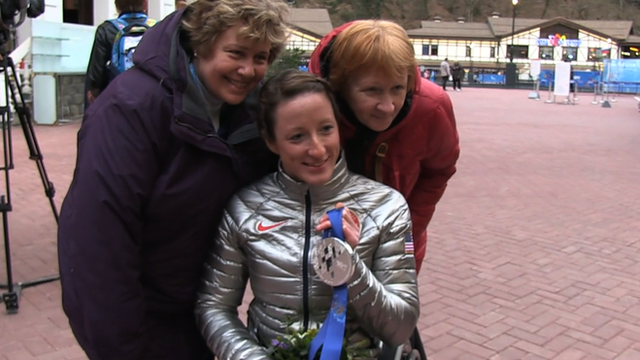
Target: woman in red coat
{"points": [[396, 127]]}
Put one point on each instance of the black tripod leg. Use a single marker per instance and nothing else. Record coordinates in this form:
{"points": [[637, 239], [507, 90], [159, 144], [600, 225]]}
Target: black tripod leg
{"points": [[11, 297], [24, 115]]}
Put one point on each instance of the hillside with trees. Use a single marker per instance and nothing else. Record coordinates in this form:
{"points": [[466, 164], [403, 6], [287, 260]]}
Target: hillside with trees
{"points": [[409, 13]]}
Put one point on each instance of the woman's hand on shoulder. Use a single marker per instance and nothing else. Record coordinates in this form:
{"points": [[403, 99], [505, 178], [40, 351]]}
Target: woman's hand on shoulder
{"points": [[350, 225]]}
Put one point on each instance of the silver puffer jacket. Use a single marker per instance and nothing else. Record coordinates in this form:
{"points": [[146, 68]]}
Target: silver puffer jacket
{"points": [[266, 237]]}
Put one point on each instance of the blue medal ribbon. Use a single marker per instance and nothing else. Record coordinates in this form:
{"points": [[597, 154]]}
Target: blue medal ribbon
{"points": [[331, 332]]}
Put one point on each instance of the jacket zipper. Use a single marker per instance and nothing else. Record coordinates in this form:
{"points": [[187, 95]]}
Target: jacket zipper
{"points": [[381, 152], [242, 134], [305, 260], [193, 129]]}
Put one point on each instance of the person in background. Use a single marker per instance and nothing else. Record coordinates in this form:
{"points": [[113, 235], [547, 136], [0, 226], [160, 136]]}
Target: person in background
{"points": [[261, 242], [396, 127], [180, 4], [445, 73], [98, 75], [160, 152], [457, 73]]}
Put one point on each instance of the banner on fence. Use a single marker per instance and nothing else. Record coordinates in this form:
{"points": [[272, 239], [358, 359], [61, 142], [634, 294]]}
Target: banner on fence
{"points": [[622, 70], [562, 80], [535, 68]]}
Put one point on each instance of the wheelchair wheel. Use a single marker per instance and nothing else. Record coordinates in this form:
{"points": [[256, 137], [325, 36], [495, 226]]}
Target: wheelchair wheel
{"points": [[415, 350], [418, 346], [414, 355]]}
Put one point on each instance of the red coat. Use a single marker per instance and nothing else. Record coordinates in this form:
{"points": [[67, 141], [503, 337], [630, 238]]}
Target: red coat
{"points": [[416, 156]]}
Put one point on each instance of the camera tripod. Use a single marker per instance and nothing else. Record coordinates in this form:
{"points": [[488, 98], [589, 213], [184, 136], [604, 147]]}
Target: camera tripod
{"points": [[12, 88]]}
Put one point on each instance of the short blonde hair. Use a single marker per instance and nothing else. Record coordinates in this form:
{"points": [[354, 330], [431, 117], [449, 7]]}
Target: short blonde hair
{"points": [[264, 20], [371, 45]]}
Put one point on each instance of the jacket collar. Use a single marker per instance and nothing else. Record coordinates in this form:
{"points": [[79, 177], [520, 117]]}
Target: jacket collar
{"points": [[318, 193]]}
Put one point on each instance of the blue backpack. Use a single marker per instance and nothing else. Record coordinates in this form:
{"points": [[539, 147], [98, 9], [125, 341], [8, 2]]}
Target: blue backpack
{"points": [[126, 40]]}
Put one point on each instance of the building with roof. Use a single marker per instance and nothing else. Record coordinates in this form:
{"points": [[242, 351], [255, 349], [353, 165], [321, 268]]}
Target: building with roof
{"points": [[308, 26], [489, 44]]}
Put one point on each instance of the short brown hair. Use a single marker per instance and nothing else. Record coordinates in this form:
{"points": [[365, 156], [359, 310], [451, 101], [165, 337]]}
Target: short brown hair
{"points": [[130, 5], [371, 45], [264, 20], [285, 86]]}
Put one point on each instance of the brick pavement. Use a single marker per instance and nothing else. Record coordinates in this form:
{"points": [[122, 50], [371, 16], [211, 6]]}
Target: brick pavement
{"points": [[533, 252]]}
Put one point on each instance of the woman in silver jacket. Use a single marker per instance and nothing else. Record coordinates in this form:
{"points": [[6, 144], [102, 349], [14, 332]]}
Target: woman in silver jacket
{"points": [[271, 227]]}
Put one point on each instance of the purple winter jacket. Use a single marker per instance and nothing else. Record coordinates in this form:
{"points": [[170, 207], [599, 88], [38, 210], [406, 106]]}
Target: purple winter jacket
{"points": [[151, 181]]}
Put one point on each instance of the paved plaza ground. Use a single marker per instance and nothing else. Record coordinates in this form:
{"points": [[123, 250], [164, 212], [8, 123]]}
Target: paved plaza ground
{"points": [[533, 252]]}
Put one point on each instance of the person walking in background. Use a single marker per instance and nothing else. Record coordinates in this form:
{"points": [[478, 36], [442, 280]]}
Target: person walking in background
{"points": [[457, 73], [98, 74], [445, 72], [180, 4]]}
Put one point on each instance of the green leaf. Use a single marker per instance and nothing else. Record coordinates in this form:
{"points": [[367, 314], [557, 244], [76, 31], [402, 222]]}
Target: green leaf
{"points": [[288, 59]]}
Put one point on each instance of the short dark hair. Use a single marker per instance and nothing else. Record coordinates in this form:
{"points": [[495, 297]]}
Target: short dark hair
{"points": [[130, 5], [284, 86]]}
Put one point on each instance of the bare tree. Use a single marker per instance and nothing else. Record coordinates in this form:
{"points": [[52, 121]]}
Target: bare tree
{"points": [[426, 8], [546, 7], [471, 8], [451, 6], [582, 10], [405, 11]]}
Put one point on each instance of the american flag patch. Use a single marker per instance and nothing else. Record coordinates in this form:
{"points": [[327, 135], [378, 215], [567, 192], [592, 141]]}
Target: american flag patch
{"points": [[408, 244]]}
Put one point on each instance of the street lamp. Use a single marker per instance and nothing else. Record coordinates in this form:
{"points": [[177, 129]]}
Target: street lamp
{"points": [[470, 76], [510, 68], [513, 28]]}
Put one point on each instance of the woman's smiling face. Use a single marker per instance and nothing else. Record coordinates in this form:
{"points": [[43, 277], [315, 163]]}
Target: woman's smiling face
{"points": [[306, 137], [234, 66]]}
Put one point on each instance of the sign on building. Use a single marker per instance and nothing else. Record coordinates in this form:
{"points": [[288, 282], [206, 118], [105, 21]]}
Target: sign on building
{"points": [[559, 40]]}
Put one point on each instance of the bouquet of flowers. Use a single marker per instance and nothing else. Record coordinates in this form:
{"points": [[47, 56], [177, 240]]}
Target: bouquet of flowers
{"points": [[294, 345]]}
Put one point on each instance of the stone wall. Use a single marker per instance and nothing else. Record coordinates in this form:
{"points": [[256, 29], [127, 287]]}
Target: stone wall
{"points": [[70, 97]]}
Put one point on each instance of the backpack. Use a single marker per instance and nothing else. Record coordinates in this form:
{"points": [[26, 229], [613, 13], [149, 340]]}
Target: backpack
{"points": [[126, 40]]}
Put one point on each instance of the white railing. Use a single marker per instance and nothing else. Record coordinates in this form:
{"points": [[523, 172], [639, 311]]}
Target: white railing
{"points": [[21, 51], [17, 55]]}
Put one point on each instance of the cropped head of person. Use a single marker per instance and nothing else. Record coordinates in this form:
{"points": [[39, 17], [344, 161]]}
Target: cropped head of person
{"points": [[233, 43], [131, 6], [298, 121], [372, 68]]}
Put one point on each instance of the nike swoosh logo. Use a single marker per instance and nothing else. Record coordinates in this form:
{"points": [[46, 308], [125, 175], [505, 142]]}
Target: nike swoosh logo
{"points": [[262, 227]]}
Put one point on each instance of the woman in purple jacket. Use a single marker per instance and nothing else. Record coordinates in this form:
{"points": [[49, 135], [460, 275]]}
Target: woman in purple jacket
{"points": [[159, 154]]}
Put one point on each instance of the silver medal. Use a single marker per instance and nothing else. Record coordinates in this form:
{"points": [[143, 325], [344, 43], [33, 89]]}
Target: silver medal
{"points": [[332, 260]]}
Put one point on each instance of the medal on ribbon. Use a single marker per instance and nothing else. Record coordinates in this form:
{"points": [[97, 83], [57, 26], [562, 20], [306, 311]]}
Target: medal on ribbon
{"points": [[332, 261]]}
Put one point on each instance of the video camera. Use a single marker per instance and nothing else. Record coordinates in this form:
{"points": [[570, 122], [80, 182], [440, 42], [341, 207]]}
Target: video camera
{"points": [[9, 9]]}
